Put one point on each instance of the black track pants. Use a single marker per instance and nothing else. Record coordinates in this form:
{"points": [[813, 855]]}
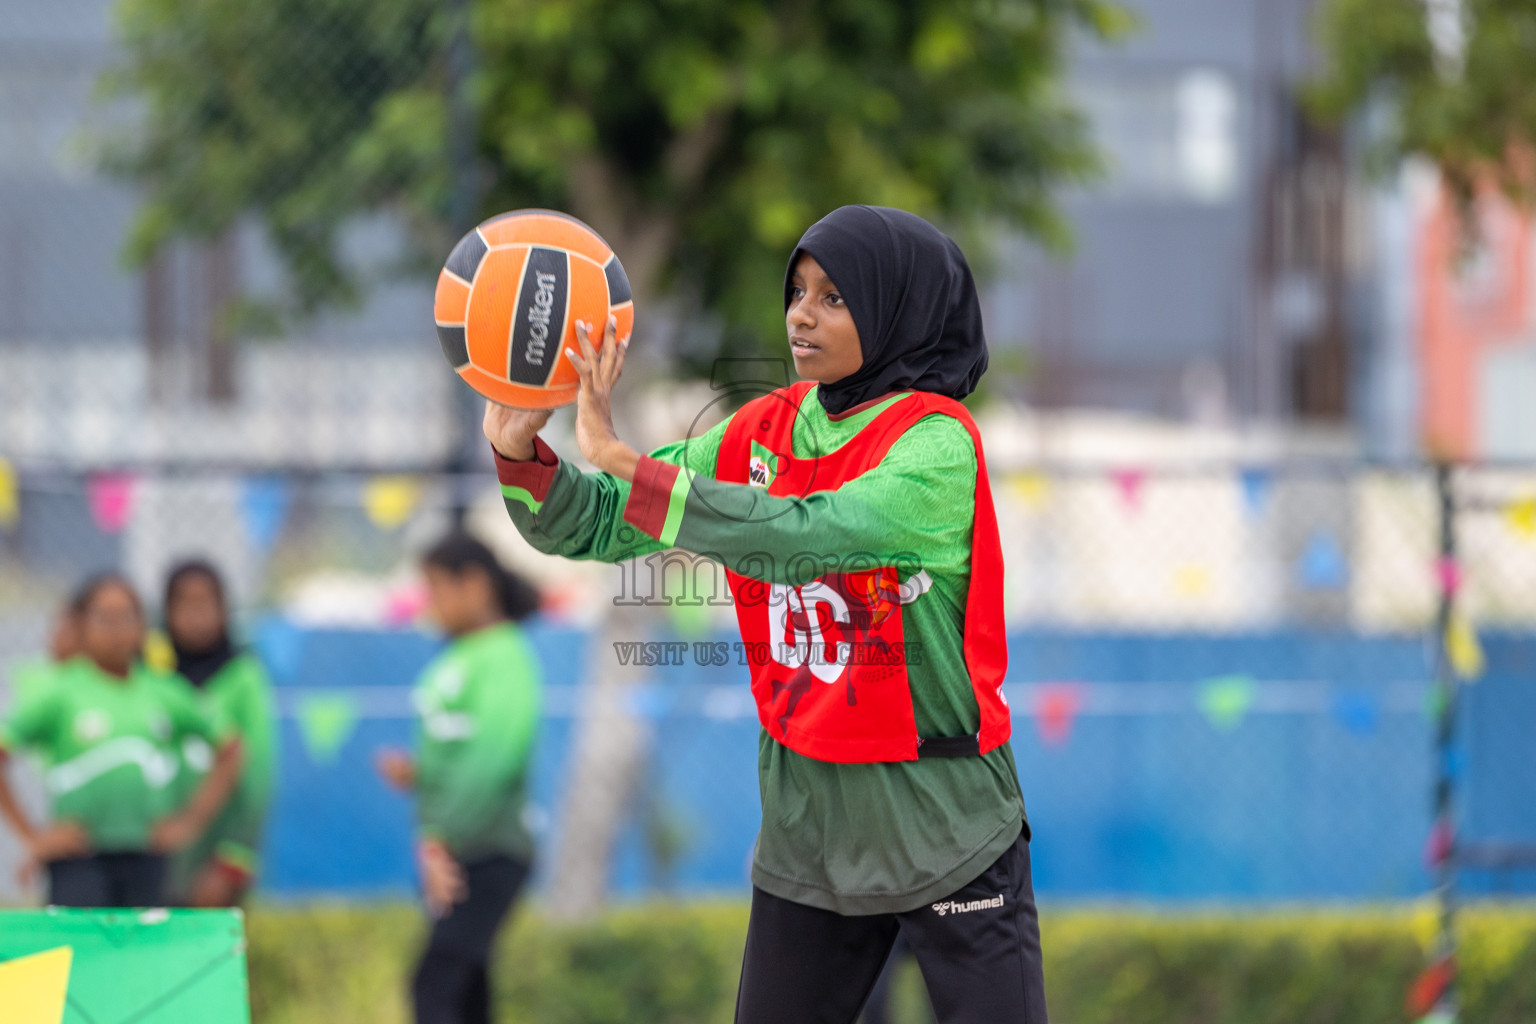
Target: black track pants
{"points": [[978, 949], [452, 980], [108, 880]]}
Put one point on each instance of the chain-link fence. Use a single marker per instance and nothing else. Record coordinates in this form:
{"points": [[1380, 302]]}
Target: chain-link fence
{"points": [[1222, 669], [1221, 676]]}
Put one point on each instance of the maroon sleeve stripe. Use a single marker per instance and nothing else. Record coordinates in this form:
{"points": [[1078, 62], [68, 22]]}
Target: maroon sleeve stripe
{"points": [[650, 496], [533, 476]]}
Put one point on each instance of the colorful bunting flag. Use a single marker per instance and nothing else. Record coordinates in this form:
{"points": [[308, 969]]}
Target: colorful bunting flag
{"points": [[648, 702], [1429, 988], [326, 721], [404, 605], [1192, 580], [111, 496], [1322, 565], [264, 502], [1256, 485], [10, 501], [1463, 649], [1448, 573], [1129, 483], [1030, 488], [1441, 839], [690, 621], [1356, 711], [1521, 517], [1434, 703], [390, 501], [1450, 762], [281, 646], [1227, 700], [158, 652], [1056, 708]]}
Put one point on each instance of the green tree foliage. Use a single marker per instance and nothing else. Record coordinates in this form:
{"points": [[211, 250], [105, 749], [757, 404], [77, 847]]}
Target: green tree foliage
{"points": [[699, 136], [303, 112], [678, 963], [1476, 121]]}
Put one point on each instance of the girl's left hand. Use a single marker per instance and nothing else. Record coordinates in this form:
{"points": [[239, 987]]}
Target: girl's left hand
{"points": [[58, 841], [442, 878], [174, 833], [599, 371], [397, 768]]}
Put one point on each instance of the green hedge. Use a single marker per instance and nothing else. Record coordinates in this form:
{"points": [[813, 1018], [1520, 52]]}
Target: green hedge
{"points": [[678, 965]]}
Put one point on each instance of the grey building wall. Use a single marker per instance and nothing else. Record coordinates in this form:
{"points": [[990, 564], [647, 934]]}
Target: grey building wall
{"points": [[63, 225], [1170, 302]]}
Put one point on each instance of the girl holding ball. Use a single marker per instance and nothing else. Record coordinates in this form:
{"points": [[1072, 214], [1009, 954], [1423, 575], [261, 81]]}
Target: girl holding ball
{"points": [[854, 518]]}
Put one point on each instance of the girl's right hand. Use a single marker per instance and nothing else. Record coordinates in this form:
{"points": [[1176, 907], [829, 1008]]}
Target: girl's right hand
{"points": [[59, 840], [442, 878], [175, 832], [397, 768], [511, 431]]}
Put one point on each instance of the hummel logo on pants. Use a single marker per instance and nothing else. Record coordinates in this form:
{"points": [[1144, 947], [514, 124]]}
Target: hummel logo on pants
{"points": [[978, 949]]}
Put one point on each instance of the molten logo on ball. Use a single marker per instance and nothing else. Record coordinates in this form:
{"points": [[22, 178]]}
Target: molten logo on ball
{"points": [[509, 297], [544, 308], [538, 318]]}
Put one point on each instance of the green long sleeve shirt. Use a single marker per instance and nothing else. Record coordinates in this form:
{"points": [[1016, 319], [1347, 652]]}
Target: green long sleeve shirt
{"points": [[31, 674], [239, 696], [110, 747], [851, 838], [478, 704]]}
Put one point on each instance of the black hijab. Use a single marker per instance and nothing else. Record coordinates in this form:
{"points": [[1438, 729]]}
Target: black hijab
{"points": [[912, 298], [197, 667]]}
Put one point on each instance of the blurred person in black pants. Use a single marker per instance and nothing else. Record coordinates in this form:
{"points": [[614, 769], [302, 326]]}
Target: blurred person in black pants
{"points": [[478, 703]]}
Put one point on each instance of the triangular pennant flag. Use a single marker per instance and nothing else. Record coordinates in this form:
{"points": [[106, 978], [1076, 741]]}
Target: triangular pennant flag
{"points": [[10, 500], [1462, 648], [36, 987], [1322, 565], [1521, 517], [1448, 574], [649, 702], [326, 721], [1256, 484], [1435, 703], [390, 501], [1429, 987], [158, 652], [1192, 580], [1030, 488], [264, 503], [404, 605], [1226, 700], [1129, 483], [1441, 839], [1356, 711], [111, 496], [1056, 708], [1450, 762], [690, 621], [281, 646]]}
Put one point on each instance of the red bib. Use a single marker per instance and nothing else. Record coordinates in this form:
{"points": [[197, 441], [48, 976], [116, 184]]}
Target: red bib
{"points": [[829, 670]]}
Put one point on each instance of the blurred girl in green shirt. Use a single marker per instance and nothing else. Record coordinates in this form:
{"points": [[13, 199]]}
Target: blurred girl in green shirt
{"points": [[232, 686], [63, 644], [109, 729], [478, 703]]}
